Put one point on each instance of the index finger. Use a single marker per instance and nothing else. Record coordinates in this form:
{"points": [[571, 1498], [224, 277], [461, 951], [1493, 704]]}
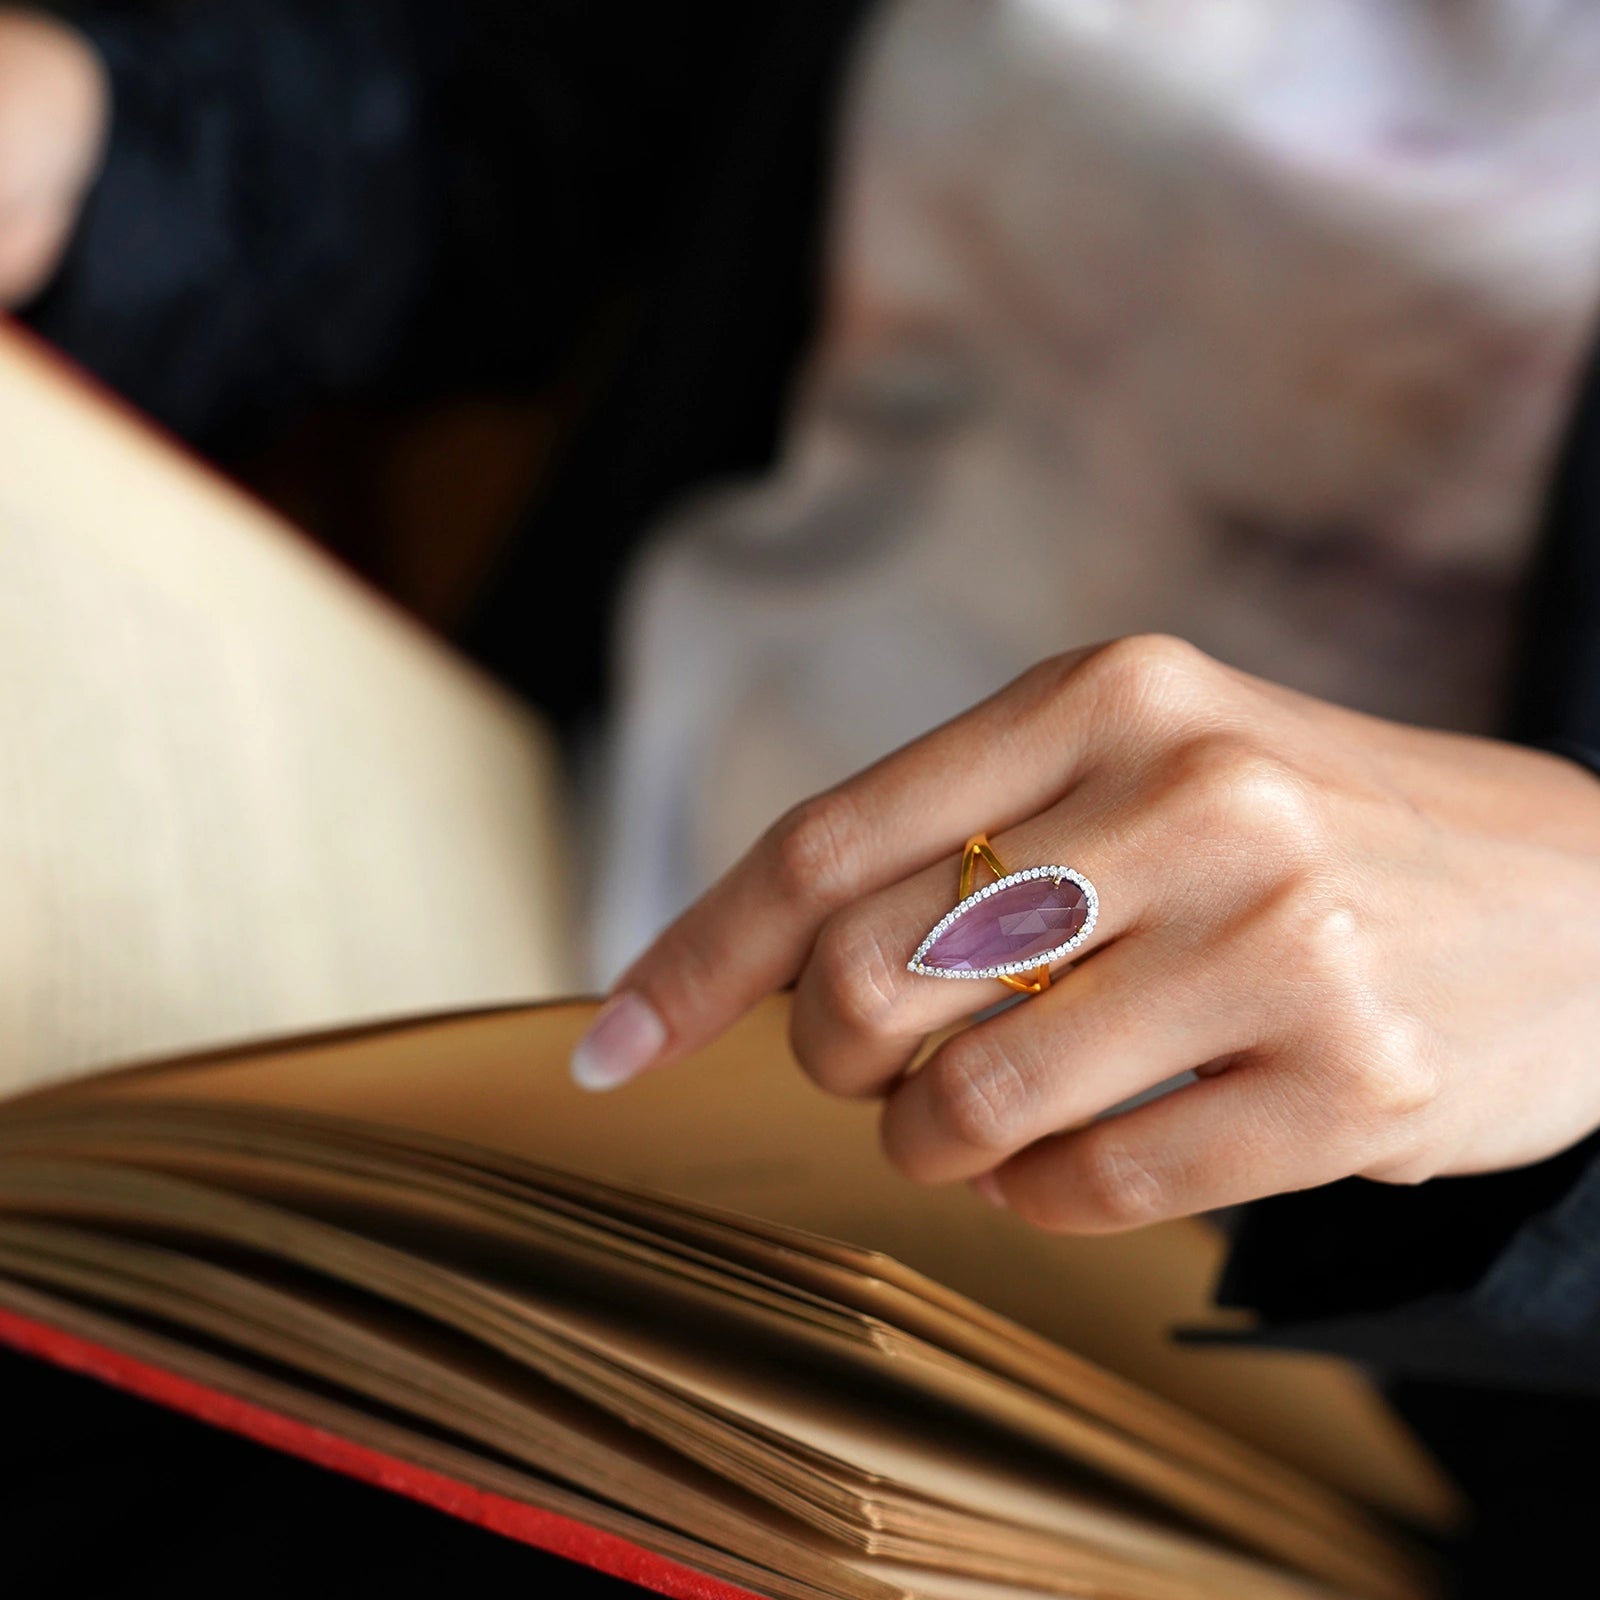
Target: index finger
{"points": [[751, 933]]}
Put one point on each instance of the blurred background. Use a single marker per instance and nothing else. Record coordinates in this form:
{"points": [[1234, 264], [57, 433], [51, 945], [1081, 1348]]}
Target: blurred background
{"points": [[751, 393]]}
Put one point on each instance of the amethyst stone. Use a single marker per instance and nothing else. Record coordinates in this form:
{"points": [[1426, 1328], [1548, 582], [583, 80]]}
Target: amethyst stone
{"points": [[1023, 921]]}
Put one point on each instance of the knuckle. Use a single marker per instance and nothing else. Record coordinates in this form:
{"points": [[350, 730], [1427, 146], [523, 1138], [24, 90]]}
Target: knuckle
{"points": [[1392, 1077], [1312, 935], [978, 1097], [1153, 673], [1143, 655], [1226, 790], [815, 852], [859, 980], [1314, 932], [1259, 795], [1115, 1187]]}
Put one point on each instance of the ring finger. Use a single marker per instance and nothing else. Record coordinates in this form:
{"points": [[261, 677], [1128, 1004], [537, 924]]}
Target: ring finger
{"points": [[860, 1015]]}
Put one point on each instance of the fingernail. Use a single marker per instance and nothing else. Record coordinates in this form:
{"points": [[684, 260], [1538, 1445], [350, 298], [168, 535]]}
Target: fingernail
{"points": [[624, 1038], [989, 1187]]}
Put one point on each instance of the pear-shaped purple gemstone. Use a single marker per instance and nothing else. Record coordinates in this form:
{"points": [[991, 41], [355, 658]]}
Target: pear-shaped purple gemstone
{"points": [[1017, 923]]}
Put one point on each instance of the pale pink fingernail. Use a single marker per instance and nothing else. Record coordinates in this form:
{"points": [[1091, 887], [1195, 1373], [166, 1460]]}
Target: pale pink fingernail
{"points": [[624, 1038], [989, 1187]]}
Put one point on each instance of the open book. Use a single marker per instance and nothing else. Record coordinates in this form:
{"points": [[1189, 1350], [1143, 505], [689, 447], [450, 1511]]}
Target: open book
{"points": [[696, 1332]]}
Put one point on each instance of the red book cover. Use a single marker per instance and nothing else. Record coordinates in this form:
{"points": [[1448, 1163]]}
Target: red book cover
{"points": [[530, 1525]]}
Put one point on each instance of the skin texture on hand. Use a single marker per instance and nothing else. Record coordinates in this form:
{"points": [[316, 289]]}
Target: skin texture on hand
{"points": [[1378, 946], [54, 113]]}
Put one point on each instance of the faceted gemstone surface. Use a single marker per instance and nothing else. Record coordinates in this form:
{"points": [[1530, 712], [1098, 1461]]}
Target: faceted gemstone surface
{"points": [[1016, 923]]}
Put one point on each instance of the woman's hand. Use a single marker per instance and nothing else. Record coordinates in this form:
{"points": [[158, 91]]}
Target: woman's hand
{"points": [[54, 110], [1378, 947]]}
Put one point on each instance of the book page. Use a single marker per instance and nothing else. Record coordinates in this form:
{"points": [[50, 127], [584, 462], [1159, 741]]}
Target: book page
{"points": [[239, 794], [739, 1128], [432, 1252]]}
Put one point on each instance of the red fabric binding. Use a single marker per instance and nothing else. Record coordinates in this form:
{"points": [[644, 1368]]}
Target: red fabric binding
{"points": [[543, 1529]]}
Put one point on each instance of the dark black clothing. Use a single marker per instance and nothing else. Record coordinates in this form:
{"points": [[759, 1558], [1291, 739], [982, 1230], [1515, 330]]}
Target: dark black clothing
{"points": [[312, 196], [305, 197], [261, 232]]}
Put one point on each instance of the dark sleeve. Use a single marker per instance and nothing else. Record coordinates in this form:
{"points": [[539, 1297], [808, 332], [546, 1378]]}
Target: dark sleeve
{"points": [[1555, 698], [263, 226], [1492, 1279]]}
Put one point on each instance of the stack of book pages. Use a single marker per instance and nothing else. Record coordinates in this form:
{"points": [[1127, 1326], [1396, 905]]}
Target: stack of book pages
{"points": [[667, 1315]]}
